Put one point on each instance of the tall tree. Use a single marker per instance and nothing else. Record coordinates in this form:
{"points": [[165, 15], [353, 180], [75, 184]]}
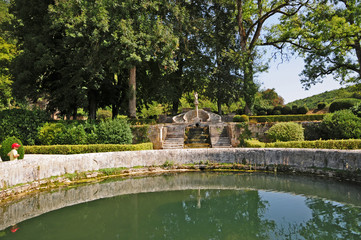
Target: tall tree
{"points": [[141, 34], [7, 53], [188, 24], [328, 34], [35, 63], [83, 25], [224, 83], [251, 18]]}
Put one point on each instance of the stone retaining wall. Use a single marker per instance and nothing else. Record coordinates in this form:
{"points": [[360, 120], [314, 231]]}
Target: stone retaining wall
{"points": [[36, 167]]}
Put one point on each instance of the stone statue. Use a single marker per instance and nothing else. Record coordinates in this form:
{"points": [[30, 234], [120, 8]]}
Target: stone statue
{"points": [[196, 98]]}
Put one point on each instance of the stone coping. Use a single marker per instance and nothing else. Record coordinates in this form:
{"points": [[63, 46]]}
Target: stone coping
{"points": [[37, 167]]}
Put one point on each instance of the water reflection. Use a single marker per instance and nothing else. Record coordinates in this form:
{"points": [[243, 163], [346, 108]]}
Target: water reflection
{"points": [[193, 206]]}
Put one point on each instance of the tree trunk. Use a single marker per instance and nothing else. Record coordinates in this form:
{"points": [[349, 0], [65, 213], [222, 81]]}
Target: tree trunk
{"points": [[115, 111], [132, 93], [92, 108], [75, 112], [175, 106], [219, 106]]}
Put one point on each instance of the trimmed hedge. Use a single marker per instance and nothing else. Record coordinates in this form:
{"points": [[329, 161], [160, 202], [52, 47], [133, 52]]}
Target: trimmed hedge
{"points": [[317, 144], [287, 118], [93, 148], [344, 103]]}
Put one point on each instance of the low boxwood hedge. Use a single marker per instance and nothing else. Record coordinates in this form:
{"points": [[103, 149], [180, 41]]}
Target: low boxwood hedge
{"points": [[287, 118], [319, 144], [92, 148]]}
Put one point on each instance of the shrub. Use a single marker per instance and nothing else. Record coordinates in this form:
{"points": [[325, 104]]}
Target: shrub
{"points": [[140, 134], [48, 133], [286, 110], [294, 109], [356, 95], [313, 131], [277, 110], [302, 110], [104, 115], [240, 118], [142, 121], [153, 110], [22, 123], [344, 103], [262, 112], [6, 148], [115, 131], [288, 131], [93, 148], [321, 105], [342, 124], [72, 135], [357, 110]]}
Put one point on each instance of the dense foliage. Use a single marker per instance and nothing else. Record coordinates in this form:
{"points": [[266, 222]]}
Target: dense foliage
{"points": [[327, 97], [288, 131], [343, 124], [6, 148], [115, 131], [22, 123]]}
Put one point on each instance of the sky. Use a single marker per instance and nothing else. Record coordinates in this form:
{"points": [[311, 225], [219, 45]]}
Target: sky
{"points": [[285, 79]]}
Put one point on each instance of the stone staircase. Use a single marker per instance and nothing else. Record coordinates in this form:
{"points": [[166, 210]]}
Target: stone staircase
{"points": [[219, 136], [197, 137], [175, 137]]}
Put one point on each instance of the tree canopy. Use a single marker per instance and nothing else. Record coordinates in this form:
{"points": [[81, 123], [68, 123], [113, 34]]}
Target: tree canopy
{"points": [[125, 54]]}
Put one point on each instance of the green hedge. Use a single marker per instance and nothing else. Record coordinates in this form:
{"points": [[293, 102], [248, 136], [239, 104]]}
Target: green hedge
{"points": [[241, 118], [344, 103], [319, 144], [93, 148], [287, 118]]}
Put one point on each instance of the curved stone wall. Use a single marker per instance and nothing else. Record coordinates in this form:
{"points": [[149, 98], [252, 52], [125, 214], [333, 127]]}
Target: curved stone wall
{"points": [[36, 167], [43, 202]]}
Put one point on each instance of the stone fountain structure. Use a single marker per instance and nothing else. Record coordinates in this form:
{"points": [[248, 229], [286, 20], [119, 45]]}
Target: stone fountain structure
{"points": [[196, 129]]}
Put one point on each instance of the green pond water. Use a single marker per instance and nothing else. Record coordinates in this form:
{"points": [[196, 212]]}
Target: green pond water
{"points": [[191, 206]]}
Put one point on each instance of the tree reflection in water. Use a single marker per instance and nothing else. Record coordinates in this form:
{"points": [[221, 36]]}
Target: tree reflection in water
{"points": [[221, 215], [331, 220]]}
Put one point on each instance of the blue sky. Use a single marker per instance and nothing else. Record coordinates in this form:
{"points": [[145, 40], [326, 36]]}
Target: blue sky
{"points": [[285, 79]]}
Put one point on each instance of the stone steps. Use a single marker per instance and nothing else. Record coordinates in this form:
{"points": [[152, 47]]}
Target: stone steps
{"points": [[221, 142], [174, 138], [219, 137]]}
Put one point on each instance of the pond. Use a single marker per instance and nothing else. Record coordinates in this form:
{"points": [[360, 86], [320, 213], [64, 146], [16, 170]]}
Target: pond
{"points": [[190, 206]]}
